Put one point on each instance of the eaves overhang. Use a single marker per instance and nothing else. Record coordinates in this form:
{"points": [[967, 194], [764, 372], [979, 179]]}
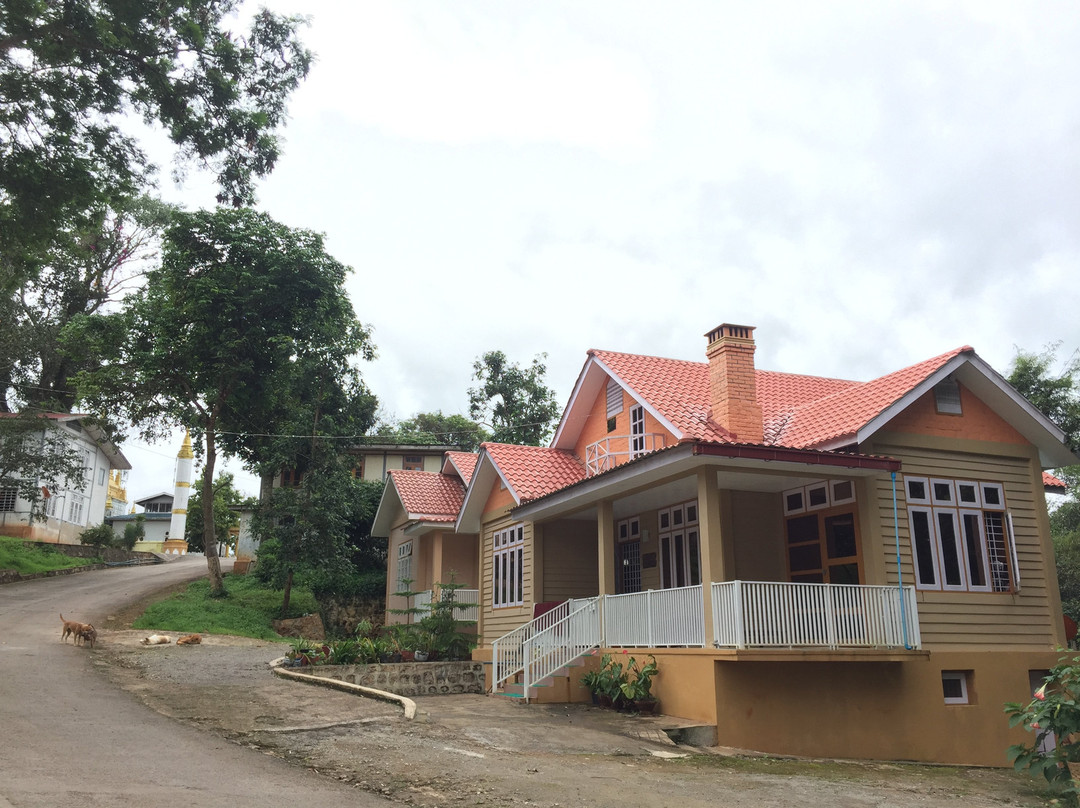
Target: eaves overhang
{"points": [[684, 458]]}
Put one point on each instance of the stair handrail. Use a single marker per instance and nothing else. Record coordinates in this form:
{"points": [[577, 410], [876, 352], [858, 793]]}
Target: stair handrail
{"points": [[506, 652], [559, 644]]}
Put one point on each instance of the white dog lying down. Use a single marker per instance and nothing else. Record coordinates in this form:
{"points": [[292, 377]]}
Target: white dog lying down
{"points": [[156, 639]]}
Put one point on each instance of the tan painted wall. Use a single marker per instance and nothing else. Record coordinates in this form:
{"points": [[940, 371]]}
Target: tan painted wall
{"points": [[759, 536], [569, 561], [459, 557], [1030, 618], [875, 710]]}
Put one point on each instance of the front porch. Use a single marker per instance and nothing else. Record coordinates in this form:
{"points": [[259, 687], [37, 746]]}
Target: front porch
{"points": [[746, 615]]}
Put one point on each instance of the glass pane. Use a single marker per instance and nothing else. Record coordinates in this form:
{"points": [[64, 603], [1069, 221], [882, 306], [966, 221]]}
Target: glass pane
{"points": [[997, 551], [794, 501], [916, 489], [695, 561], [922, 544], [950, 557], [818, 496], [802, 529], [806, 557], [842, 490], [967, 493], [843, 573], [840, 536], [691, 513], [665, 559], [680, 560], [942, 492], [973, 547], [991, 495]]}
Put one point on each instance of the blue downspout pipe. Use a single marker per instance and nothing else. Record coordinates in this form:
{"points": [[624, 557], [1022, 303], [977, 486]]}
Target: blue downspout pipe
{"points": [[899, 574]]}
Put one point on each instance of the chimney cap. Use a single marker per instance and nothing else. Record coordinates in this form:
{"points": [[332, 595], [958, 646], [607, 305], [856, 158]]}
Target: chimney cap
{"points": [[731, 331]]}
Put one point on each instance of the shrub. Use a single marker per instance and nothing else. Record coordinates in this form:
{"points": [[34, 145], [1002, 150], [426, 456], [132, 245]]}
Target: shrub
{"points": [[100, 536], [1052, 713]]}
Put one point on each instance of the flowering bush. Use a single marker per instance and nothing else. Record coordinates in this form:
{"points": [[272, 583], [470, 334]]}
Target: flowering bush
{"points": [[1053, 714]]}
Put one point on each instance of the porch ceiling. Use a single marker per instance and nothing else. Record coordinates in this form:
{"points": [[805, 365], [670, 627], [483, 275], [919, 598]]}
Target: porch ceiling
{"points": [[670, 476]]}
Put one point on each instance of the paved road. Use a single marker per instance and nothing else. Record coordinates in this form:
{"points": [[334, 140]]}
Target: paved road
{"points": [[68, 739]]}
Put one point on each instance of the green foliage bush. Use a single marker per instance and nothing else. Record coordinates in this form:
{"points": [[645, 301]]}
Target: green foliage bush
{"points": [[1053, 713], [100, 536]]}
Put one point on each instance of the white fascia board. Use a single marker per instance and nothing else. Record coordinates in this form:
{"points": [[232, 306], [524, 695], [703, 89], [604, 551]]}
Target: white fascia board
{"points": [[992, 388], [589, 379], [380, 525], [420, 527], [484, 476]]}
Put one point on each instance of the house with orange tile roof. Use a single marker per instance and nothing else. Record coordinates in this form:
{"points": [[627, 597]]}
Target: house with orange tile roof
{"points": [[819, 566], [417, 513]]}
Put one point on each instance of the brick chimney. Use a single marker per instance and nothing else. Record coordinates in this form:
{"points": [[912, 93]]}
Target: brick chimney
{"points": [[732, 384]]}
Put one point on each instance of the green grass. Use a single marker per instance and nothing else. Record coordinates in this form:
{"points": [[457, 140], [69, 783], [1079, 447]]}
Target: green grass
{"points": [[27, 560], [245, 612]]}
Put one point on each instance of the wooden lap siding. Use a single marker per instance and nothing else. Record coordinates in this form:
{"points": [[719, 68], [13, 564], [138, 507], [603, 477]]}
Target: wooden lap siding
{"points": [[970, 620], [497, 622], [569, 560]]}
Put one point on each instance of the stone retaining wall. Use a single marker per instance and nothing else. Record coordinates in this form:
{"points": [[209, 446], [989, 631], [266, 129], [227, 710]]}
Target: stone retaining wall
{"points": [[409, 678]]}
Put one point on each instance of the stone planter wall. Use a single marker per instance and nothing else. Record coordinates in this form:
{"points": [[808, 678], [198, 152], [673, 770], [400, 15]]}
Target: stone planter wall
{"points": [[409, 678]]}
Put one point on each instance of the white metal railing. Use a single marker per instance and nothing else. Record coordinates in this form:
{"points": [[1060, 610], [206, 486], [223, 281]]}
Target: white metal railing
{"points": [[752, 614], [561, 643], [466, 605], [507, 652], [610, 451], [655, 619]]}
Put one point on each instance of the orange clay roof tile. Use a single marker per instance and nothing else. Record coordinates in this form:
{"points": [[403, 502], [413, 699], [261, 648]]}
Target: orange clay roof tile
{"points": [[533, 471], [465, 463], [797, 411], [433, 496]]}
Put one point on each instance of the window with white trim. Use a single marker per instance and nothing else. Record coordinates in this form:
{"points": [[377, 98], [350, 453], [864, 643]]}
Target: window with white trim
{"points": [[508, 582], [76, 508], [954, 687], [679, 545], [7, 498], [960, 535], [404, 566], [50, 504], [637, 430]]}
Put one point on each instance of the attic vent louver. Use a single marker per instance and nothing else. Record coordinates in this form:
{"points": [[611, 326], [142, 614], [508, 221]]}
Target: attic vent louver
{"points": [[947, 396]]}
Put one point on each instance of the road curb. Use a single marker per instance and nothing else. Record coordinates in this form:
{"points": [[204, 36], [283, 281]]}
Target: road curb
{"points": [[407, 704]]}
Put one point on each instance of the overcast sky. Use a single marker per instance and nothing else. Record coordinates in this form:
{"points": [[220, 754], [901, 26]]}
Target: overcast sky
{"points": [[869, 184]]}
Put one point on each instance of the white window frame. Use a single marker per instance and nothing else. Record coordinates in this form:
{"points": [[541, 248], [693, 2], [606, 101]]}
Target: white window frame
{"points": [[956, 676], [637, 431], [507, 567], [683, 523], [404, 563], [943, 508], [76, 508]]}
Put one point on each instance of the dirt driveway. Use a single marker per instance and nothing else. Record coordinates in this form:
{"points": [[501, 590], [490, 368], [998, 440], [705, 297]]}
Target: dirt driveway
{"points": [[474, 750]]}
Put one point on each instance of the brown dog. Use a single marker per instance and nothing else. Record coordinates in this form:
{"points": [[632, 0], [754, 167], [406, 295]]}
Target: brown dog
{"points": [[190, 639], [72, 627], [88, 634]]}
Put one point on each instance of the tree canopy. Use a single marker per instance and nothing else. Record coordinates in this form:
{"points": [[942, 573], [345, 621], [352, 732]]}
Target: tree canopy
{"points": [[516, 402], [1056, 393], [225, 496], [71, 71], [34, 454], [436, 428], [244, 317]]}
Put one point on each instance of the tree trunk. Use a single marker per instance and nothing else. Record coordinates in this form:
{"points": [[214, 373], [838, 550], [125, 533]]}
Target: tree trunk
{"points": [[288, 594], [213, 563]]}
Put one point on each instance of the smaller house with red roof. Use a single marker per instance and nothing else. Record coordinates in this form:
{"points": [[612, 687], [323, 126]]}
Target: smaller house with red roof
{"points": [[819, 566], [418, 512]]}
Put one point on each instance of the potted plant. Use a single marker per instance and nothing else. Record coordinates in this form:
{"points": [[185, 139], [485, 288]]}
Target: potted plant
{"points": [[637, 689]]}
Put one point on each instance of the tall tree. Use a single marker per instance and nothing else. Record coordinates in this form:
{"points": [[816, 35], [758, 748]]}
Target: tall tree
{"points": [[71, 70], [515, 401], [436, 428], [83, 273], [225, 497], [239, 303]]}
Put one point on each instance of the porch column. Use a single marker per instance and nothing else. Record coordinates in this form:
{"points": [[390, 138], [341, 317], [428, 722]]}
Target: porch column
{"points": [[605, 546], [436, 560], [717, 555]]}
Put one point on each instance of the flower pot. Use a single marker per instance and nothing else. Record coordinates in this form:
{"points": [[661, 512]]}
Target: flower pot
{"points": [[646, 706]]}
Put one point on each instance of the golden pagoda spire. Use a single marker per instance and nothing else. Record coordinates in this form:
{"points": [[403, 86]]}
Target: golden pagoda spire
{"points": [[185, 449]]}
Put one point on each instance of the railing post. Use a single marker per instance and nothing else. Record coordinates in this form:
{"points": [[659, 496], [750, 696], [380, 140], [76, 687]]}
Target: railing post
{"points": [[648, 619], [830, 617], [740, 618]]}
